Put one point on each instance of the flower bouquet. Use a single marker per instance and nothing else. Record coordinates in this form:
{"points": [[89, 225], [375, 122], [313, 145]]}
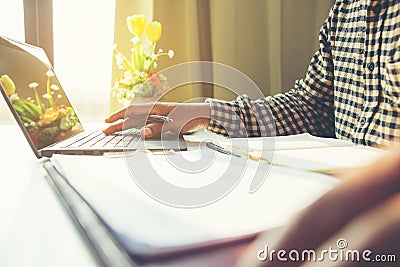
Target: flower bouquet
{"points": [[45, 117], [139, 78]]}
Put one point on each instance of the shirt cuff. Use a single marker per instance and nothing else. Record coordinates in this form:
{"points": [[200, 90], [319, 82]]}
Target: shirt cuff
{"points": [[241, 118]]}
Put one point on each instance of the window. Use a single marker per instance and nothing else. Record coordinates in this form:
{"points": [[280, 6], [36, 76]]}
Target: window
{"points": [[12, 19], [83, 43], [11, 25]]}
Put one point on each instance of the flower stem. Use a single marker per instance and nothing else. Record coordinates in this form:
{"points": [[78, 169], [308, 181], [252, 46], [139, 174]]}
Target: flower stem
{"points": [[39, 103], [151, 65], [51, 102]]}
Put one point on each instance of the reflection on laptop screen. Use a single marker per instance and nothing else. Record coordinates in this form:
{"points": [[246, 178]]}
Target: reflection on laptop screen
{"points": [[35, 94]]}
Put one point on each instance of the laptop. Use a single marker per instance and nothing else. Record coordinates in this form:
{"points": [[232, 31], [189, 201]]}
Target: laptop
{"points": [[46, 116]]}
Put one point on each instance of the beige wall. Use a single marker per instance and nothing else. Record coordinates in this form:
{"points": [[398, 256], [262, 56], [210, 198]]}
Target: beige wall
{"points": [[270, 41], [301, 21]]}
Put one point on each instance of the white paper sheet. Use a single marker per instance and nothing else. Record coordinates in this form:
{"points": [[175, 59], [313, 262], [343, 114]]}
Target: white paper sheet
{"points": [[328, 159], [300, 141], [305, 152], [147, 225]]}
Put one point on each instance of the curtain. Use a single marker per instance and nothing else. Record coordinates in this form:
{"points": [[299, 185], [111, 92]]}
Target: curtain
{"points": [[270, 41]]}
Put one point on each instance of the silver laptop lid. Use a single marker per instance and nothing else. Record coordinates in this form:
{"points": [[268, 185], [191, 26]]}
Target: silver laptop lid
{"points": [[34, 95]]}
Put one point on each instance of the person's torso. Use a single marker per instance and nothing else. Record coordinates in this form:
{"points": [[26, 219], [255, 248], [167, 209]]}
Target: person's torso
{"points": [[366, 56]]}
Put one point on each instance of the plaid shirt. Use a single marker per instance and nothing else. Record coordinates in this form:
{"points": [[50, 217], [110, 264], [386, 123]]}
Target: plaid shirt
{"points": [[351, 90]]}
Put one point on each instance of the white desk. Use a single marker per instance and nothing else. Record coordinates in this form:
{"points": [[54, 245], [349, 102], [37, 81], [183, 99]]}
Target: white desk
{"points": [[35, 229]]}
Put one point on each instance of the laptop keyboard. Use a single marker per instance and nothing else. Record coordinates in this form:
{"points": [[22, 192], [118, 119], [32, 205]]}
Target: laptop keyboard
{"points": [[100, 140]]}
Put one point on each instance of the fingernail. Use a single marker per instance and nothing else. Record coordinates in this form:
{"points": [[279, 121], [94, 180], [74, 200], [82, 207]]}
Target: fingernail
{"points": [[146, 132]]}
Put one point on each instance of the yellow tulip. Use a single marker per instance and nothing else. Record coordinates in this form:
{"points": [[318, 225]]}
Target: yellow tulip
{"points": [[7, 84], [136, 24], [153, 31]]}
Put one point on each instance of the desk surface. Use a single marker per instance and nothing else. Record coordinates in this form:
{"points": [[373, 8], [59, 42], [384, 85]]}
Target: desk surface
{"points": [[35, 229]]}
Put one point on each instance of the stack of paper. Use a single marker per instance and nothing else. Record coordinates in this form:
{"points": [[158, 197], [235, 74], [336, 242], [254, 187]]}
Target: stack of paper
{"points": [[149, 226], [306, 152]]}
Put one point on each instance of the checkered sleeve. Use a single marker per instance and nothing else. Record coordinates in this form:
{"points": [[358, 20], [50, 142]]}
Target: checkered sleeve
{"points": [[306, 108]]}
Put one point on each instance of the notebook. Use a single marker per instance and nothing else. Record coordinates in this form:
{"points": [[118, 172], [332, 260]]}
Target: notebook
{"points": [[46, 116]]}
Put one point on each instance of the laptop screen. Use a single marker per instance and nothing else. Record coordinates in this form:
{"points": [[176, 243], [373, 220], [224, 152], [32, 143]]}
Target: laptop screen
{"points": [[35, 94]]}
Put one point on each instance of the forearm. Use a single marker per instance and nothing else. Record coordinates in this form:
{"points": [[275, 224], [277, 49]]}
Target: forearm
{"points": [[297, 112], [283, 114], [241, 118]]}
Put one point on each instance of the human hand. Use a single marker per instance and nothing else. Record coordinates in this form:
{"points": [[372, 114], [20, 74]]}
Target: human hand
{"points": [[186, 117], [363, 211]]}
